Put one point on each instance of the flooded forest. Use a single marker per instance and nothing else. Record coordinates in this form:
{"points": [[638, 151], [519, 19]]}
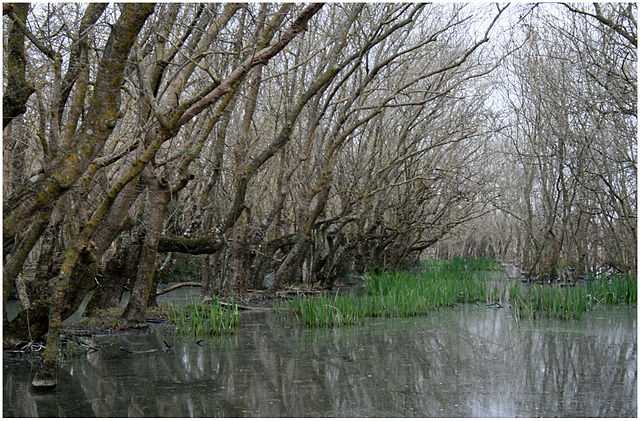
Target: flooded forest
{"points": [[319, 210]]}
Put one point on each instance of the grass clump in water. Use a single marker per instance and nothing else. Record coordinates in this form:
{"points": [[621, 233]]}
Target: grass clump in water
{"points": [[619, 289], [539, 301], [396, 294], [445, 283], [199, 319], [571, 303], [326, 311]]}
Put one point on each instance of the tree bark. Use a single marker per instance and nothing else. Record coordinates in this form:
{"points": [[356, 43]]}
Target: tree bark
{"points": [[18, 90], [158, 196]]}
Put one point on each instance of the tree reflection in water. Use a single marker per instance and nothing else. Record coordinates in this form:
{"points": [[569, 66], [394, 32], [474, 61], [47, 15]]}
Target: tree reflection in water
{"points": [[467, 362]]}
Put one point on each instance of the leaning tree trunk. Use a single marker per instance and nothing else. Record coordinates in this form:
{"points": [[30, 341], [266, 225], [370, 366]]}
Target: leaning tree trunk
{"points": [[239, 256], [91, 136], [292, 264], [158, 197], [115, 272], [18, 89], [114, 277], [33, 323]]}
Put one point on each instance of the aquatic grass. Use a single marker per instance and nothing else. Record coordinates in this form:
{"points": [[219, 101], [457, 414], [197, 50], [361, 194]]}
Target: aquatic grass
{"points": [[200, 319], [443, 284], [325, 311], [540, 301], [618, 289], [395, 294], [571, 303]]}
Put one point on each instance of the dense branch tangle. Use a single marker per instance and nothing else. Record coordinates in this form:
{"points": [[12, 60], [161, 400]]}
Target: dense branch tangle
{"points": [[566, 167], [231, 106]]}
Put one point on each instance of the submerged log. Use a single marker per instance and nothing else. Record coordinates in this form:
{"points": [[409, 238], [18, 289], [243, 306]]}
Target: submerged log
{"points": [[176, 286]]}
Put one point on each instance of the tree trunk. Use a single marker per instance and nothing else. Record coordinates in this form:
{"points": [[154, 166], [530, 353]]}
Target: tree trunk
{"points": [[18, 89], [206, 276], [115, 275], [158, 196], [32, 323]]}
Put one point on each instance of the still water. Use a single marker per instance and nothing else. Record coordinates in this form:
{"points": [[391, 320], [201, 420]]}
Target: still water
{"points": [[471, 361]]}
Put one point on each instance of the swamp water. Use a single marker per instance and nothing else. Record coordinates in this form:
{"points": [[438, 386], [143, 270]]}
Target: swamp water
{"points": [[471, 361]]}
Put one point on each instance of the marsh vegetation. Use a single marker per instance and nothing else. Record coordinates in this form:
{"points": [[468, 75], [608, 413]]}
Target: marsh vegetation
{"points": [[396, 294], [204, 319], [571, 303], [441, 284]]}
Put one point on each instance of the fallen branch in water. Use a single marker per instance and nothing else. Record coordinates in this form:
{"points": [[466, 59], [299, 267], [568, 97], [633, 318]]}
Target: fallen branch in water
{"points": [[176, 286], [243, 307]]}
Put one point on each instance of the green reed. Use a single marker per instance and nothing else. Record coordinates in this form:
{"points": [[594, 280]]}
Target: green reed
{"points": [[199, 319], [442, 283], [571, 303], [396, 294], [619, 289], [541, 301]]}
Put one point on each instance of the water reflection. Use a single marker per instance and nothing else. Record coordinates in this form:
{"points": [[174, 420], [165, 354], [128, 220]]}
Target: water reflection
{"points": [[469, 362]]}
